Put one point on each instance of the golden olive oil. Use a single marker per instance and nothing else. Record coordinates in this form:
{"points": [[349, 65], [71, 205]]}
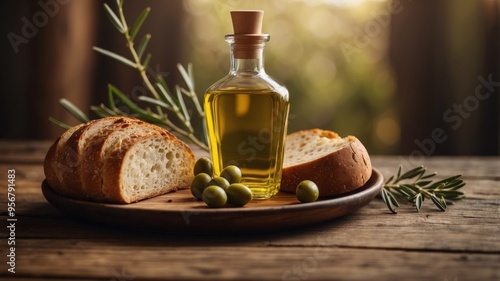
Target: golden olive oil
{"points": [[247, 128]]}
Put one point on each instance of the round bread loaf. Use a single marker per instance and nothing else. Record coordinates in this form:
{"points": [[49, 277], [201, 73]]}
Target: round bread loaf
{"points": [[337, 165]]}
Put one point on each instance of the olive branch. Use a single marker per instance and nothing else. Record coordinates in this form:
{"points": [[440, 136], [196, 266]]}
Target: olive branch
{"points": [[161, 99], [415, 186]]}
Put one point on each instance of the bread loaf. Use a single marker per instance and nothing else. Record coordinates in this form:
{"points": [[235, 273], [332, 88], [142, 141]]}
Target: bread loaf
{"points": [[119, 160], [337, 165]]}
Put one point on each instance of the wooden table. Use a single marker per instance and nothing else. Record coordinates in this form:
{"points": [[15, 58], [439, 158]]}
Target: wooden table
{"points": [[460, 244]]}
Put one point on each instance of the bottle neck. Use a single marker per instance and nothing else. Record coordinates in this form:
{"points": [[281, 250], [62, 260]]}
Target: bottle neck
{"points": [[246, 65], [247, 54]]}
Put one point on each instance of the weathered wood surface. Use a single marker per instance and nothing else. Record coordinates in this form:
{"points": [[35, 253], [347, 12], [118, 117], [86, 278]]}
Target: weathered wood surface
{"points": [[462, 243]]}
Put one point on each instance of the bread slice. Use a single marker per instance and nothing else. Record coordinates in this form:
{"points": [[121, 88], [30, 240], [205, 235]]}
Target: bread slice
{"points": [[147, 167], [93, 154], [337, 165]]}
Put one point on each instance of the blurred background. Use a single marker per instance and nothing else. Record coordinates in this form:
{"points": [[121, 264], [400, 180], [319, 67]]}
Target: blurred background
{"points": [[405, 77]]}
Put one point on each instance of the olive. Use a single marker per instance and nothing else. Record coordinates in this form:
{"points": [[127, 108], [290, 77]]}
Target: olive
{"points": [[199, 184], [204, 165], [238, 194], [307, 191], [232, 174], [214, 196], [219, 181]]}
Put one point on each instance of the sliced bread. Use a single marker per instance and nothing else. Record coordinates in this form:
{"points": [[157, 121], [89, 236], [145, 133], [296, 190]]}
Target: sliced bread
{"points": [[92, 161], [337, 165]]}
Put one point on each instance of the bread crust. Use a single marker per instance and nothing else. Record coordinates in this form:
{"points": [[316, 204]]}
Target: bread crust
{"points": [[339, 172], [55, 167]]}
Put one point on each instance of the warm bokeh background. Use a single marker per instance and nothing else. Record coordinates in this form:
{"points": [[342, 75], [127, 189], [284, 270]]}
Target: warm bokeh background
{"points": [[406, 77]]}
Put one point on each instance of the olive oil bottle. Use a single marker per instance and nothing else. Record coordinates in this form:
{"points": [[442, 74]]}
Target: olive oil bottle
{"points": [[247, 111]]}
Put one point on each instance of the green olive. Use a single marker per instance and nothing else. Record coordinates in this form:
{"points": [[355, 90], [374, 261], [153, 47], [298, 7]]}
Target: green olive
{"points": [[204, 165], [219, 181], [214, 196], [307, 191], [238, 194], [199, 184], [232, 174]]}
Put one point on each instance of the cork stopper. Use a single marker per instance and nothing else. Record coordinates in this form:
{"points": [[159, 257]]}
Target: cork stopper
{"points": [[248, 37], [247, 22]]}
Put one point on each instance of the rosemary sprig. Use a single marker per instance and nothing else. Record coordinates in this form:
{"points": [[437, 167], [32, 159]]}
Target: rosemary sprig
{"points": [[161, 98], [415, 186]]}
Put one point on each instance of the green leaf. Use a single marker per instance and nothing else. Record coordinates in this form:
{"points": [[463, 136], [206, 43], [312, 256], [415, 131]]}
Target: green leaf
{"points": [[99, 111], [122, 97], [389, 180], [59, 123], [112, 105], [111, 99], [142, 45], [109, 111], [446, 181], [428, 176], [142, 114], [462, 184], [405, 192], [138, 23], [155, 102], [393, 199], [419, 200], [438, 203], [423, 183], [165, 95], [450, 194], [387, 200], [185, 76], [75, 111], [399, 171], [113, 18], [407, 189], [183, 105], [146, 61], [443, 201], [115, 56], [411, 187], [455, 184], [412, 173]]}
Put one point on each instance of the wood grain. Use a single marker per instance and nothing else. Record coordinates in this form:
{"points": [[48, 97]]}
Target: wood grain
{"points": [[370, 244], [321, 262]]}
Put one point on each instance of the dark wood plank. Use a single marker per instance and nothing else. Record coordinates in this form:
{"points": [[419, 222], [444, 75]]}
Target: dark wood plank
{"points": [[74, 258]]}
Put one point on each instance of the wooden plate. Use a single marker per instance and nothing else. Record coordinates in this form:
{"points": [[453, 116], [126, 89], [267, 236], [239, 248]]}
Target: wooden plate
{"points": [[179, 211]]}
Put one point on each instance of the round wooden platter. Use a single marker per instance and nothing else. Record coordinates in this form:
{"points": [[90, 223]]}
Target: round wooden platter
{"points": [[180, 212]]}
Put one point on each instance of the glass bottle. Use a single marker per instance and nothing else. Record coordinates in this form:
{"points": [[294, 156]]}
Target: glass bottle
{"points": [[247, 111]]}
